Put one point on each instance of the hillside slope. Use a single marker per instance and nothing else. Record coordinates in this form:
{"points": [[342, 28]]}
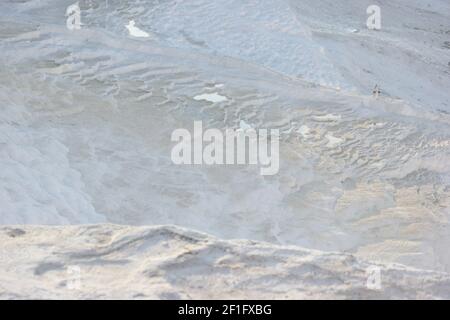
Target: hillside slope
{"points": [[87, 116]]}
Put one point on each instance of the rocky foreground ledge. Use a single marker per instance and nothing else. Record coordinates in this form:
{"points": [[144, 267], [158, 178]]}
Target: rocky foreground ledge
{"points": [[166, 262]]}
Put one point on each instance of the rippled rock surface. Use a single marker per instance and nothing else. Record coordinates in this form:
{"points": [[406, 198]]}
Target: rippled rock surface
{"points": [[86, 118]]}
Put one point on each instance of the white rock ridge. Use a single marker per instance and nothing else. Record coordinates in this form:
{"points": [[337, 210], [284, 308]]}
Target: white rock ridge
{"points": [[167, 262]]}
